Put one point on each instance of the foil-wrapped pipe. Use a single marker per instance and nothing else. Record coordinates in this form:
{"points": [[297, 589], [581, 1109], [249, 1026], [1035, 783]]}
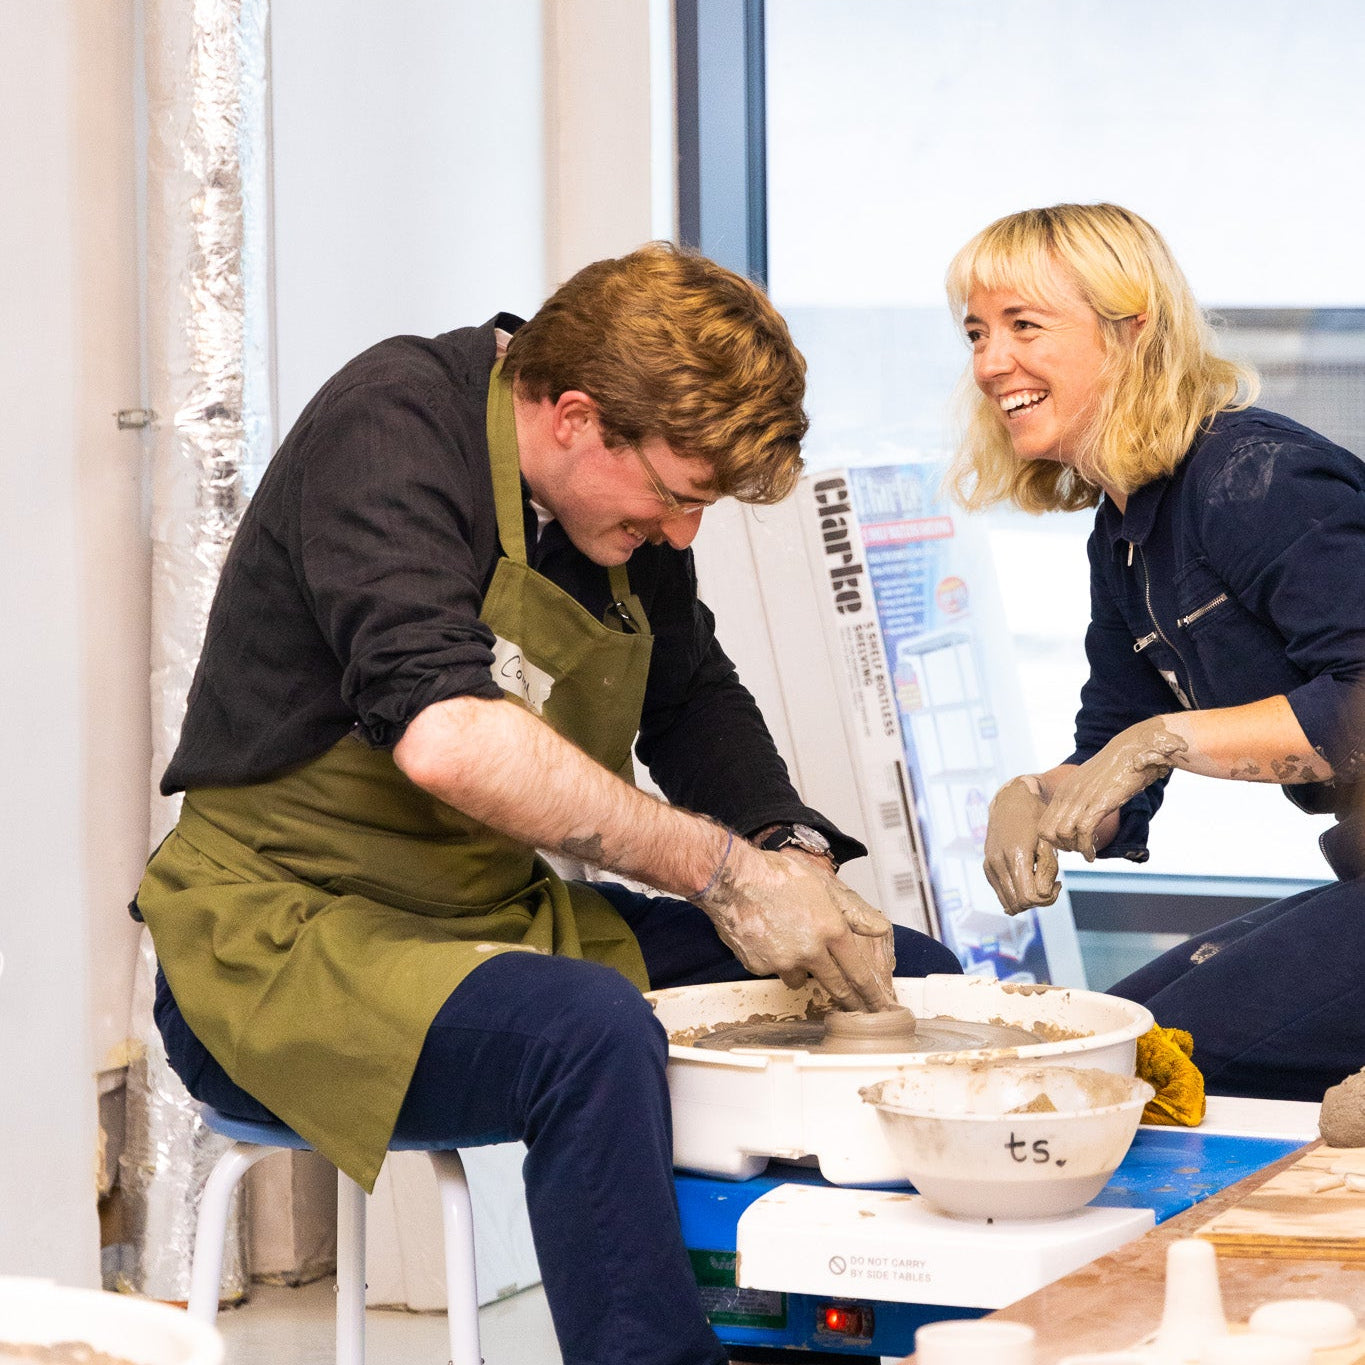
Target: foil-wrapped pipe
{"points": [[167, 1155], [207, 320], [208, 383]]}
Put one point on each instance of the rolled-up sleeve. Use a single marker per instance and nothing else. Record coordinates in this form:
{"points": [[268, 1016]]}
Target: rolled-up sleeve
{"points": [[1284, 525], [385, 555]]}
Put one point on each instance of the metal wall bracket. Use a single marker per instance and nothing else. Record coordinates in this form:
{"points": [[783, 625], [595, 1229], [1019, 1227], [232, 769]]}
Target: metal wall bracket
{"points": [[131, 419]]}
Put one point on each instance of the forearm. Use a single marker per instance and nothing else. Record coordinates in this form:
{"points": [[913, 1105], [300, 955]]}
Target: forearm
{"points": [[503, 766], [1259, 742], [780, 913]]}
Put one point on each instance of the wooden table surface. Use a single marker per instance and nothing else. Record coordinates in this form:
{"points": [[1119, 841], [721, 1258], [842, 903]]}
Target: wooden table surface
{"points": [[1114, 1302]]}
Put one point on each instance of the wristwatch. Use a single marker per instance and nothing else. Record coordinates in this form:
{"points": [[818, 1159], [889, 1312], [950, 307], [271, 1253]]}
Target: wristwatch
{"points": [[805, 838]]}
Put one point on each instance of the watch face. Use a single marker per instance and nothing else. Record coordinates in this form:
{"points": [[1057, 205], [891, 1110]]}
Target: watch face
{"points": [[810, 838]]}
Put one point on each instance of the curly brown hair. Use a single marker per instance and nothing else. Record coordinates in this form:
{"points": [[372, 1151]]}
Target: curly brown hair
{"points": [[670, 345]]}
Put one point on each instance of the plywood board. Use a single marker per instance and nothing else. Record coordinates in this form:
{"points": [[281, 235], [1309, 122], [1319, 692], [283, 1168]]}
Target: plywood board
{"points": [[1314, 1208], [1117, 1300]]}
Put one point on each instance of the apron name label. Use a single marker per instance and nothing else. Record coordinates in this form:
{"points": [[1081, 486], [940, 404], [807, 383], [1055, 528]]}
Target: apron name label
{"points": [[515, 673]]}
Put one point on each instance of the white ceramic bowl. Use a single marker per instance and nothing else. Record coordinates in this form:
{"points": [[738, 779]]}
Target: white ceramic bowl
{"points": [[40, 1313], [977, 1139]]}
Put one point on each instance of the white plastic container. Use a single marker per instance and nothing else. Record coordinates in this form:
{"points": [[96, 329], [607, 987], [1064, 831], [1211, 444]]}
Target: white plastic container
{"points": [[734, 1111], [40, 1313]]}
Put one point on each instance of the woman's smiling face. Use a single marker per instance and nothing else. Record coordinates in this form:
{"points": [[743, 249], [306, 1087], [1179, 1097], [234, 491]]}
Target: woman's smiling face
{"points": [[1041, 363]]}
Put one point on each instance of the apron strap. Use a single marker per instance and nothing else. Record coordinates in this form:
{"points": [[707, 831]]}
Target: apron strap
{"points": [[505, 464], [626, 612]]}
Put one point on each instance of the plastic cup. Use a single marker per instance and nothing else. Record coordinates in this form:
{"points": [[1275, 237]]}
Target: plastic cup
{"points": [[974, 1342], [1254, 1349], [1322, 1323]]}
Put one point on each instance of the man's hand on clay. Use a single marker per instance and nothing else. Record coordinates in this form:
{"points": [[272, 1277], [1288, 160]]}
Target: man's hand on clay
{"points": [[783, 914], [1128, 764], [1020, 865]]}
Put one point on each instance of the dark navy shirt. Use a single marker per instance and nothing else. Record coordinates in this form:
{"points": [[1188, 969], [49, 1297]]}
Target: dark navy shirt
{"points": [[350, 598], [1238, 577]]}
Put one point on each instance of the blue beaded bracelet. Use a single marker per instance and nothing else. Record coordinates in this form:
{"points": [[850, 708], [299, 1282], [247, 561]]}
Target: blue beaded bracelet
{"points": [[720, 867]]}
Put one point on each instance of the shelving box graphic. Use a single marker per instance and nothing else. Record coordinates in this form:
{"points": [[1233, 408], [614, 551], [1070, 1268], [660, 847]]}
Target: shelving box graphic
{"points": [[930, 707]]}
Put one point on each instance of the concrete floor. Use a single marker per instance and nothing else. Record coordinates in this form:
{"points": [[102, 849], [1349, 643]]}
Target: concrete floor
{"points": [[281, 1326]]}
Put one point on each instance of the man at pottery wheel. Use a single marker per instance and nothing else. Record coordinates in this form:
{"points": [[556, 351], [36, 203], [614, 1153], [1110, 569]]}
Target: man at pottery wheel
{"points": [[426, 661]]}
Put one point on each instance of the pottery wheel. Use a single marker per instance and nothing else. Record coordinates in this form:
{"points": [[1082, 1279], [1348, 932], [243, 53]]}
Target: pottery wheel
{"points": [[808, 1035]]}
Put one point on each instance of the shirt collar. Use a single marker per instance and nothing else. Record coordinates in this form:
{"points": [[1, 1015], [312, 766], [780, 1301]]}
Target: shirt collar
{"points": [[1135, 523]]}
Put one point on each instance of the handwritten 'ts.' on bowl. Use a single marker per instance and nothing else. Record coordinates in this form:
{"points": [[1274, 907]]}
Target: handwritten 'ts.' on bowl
{"points": [[1004, 1140]]}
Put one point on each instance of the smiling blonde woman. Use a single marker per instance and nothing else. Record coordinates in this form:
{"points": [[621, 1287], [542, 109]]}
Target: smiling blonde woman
{"points": [[1227, 632], [1161, 383]]}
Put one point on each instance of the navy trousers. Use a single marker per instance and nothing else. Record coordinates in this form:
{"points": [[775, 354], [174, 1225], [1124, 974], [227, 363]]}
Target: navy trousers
{"points": [[1275, 1000], [567, 1057]]}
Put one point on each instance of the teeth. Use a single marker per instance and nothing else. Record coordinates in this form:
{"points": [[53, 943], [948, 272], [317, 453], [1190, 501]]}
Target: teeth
{"points": [[1026, 399]]}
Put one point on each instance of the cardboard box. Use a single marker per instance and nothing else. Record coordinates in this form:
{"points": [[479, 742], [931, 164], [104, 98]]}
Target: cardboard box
{"points": [[928, 698]]}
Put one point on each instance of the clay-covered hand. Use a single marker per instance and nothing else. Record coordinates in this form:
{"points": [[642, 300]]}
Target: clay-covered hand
{"points": [[1129, 763], [784, 915], [1020, 865]]}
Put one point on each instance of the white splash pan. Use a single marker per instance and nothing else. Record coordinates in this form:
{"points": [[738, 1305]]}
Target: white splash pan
{"points": [[36, 1312], [734, 1111]]}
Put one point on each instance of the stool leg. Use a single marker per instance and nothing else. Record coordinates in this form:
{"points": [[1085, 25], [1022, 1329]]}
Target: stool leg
{"points": [[210, 1233], [462, 1294], [350, 1272]]}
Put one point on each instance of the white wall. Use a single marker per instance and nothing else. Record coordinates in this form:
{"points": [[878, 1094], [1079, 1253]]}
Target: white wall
{"points": [[73, 602], [609, 130], [435, 162], [409, 183]]}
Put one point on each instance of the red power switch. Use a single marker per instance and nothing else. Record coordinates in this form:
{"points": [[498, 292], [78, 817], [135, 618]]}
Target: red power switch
{"points": [[845, 1321]]}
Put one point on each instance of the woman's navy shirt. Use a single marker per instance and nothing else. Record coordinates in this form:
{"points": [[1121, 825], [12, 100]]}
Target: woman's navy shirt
{"points": [[1238, 577]]}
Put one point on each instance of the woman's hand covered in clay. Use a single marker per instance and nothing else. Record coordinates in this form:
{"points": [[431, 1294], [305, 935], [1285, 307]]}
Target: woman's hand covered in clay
{"points": [[782, 914], [1129, 763], [1020, 865]]}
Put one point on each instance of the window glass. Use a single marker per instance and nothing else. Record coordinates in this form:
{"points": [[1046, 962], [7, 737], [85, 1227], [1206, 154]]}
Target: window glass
{"points": [[896, 131]]}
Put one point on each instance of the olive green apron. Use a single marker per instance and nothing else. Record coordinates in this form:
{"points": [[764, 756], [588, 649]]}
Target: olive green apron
{"points": [[311, 926]]}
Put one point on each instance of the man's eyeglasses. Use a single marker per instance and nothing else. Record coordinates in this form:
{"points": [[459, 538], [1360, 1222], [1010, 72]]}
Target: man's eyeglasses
{"points": [[675, 507]]}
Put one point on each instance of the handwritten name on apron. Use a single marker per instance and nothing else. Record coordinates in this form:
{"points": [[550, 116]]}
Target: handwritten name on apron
{"points": [[515, 673]]}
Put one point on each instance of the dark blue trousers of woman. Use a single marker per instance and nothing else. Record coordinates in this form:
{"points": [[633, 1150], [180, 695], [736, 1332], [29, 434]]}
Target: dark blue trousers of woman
{"points": [[567, 1057], [1275, 1000]]}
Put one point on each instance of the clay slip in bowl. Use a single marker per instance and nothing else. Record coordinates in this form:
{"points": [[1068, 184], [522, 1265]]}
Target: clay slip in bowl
{"points": [[1005, 1140]]}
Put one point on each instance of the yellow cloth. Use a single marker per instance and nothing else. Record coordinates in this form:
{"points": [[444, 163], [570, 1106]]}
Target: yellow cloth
{"points": [[1163, 1061]]}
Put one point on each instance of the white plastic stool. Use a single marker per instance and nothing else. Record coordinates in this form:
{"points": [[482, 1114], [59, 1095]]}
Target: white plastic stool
{"points": [[251, 1142]]}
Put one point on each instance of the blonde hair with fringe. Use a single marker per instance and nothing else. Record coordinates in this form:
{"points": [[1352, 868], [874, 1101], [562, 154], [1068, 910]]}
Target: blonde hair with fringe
{"points": [[669, 344], [1160, 383]]}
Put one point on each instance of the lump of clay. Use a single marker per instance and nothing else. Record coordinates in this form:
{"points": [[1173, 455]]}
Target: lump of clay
{"points": [[1342, 1121], [889, 1030]]}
